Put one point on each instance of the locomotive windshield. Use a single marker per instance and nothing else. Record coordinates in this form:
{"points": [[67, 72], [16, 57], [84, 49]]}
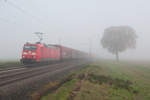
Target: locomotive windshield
{"points": [[30, 48]]}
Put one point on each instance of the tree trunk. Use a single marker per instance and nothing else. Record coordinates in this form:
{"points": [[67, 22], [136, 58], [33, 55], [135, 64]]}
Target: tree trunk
{"points": [[117, 56]]}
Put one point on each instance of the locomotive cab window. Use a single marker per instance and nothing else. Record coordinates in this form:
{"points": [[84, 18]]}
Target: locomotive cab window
{"points": [[30, 48]]}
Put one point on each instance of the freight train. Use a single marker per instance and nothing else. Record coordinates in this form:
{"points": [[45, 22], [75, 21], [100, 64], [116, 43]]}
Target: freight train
{"points": [[40, 52]]}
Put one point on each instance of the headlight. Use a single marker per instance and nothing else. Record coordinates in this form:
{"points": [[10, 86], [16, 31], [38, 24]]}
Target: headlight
{"points": [[25, 53], [33, 53]]}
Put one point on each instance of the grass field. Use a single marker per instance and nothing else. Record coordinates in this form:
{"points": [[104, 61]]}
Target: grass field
{"points": [[106, 80]]}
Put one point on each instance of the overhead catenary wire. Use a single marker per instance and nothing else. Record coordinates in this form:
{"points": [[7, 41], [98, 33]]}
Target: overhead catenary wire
{"points": [[43, 25], [6, 20], [14, 5]]}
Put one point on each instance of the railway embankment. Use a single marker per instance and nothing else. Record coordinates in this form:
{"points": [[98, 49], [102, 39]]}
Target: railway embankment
{"points": [[102, 80], [20, 84]]}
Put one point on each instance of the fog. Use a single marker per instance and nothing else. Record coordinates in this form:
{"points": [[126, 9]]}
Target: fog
{"points": [[73, 23]]}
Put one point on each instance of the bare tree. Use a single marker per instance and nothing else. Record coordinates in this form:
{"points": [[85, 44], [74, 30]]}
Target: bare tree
{"points": [[118, 39]]}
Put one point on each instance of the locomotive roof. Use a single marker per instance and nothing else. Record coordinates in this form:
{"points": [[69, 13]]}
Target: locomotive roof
{"points": [[45, 45]]}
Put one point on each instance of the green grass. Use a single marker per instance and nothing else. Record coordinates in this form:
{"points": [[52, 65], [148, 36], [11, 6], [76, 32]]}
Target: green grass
{"points": [[62, 93], [107, 80]]}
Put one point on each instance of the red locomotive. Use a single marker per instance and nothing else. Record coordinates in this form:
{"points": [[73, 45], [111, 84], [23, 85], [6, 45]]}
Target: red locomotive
{"points": [[40, 52]]}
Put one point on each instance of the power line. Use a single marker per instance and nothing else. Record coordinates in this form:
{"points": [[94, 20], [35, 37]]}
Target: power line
{"points": [[24, 11], [15, 6], [6, 20], [2, 19]]}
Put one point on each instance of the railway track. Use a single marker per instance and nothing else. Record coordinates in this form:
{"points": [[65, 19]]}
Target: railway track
{"points": [[7, 77], [21, 67], [10, 69], [13, 67]]}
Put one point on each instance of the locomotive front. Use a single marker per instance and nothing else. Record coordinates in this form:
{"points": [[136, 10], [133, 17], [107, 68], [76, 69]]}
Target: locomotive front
{"points": [[30, 53]]}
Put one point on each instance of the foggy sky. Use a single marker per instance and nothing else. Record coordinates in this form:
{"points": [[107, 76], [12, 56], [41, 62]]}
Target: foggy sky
{"points": [[74, 23]]}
